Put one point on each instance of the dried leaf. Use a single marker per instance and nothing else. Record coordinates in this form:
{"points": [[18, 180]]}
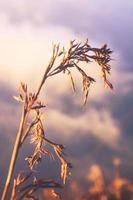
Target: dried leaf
{"points": [[72, 81]]}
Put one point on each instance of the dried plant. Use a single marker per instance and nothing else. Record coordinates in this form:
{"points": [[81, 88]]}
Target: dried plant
{"points": [[25, 186], [100, 188]]}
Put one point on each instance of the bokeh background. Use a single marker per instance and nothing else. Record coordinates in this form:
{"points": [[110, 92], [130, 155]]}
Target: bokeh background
{"points": [[96, 133]]}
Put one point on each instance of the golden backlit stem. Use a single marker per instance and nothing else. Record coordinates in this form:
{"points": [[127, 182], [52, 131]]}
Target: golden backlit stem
{"points": [[14, 155]]}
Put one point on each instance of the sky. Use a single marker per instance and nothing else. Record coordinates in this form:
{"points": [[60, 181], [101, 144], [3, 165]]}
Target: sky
{"points": [[28, 29]]}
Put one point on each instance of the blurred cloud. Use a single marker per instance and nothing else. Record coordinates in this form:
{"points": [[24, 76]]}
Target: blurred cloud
{"points": [[27, 51], [24, 40], [99, 123], [26, 34], [27, 31]]}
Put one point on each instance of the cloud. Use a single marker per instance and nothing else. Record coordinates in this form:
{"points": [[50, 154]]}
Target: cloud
{"points": [[27, 31], [26, 45], [98, 123], [27, 51]]}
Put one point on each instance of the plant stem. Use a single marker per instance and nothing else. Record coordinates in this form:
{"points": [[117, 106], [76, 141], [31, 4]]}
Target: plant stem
{"points": [[18, 143], [13, 190], [14, 155]]}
